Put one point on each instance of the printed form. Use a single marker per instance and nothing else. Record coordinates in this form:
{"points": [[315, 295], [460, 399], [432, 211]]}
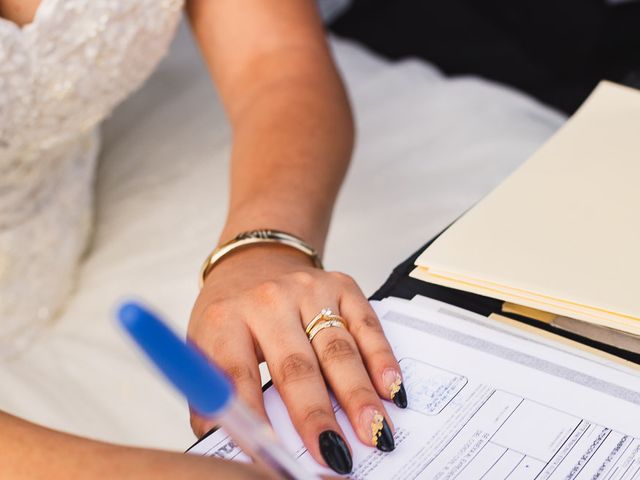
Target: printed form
{"points": [[486, 403]]}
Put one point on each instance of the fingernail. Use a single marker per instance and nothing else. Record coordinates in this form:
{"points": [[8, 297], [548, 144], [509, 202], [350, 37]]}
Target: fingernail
{"points": [[335, 452], [393, 382], [381, 435]]}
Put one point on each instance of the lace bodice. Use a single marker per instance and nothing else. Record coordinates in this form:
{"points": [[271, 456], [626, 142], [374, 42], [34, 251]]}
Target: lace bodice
{"points": [[59, 77]]}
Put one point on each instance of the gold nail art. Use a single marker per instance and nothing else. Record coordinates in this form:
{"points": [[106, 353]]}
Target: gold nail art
{"points": [[376, 427], [395, 386]]}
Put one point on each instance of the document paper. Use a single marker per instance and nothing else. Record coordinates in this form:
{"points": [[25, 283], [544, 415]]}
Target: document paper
{"points": [[485, 403], [560, 234]]}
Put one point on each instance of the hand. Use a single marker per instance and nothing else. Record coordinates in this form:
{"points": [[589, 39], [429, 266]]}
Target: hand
{"points": [[254, 307]]}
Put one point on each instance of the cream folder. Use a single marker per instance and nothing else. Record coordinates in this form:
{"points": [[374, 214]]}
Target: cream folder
{"points": [[562, 233]]}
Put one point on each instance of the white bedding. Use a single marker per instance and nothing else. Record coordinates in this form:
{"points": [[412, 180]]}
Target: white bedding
{"points": [[428, 148]]}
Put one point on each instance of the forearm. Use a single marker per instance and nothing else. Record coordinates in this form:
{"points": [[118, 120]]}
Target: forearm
{"points": [[31, 451], [28, 451], [290, 153], [292, 125]]}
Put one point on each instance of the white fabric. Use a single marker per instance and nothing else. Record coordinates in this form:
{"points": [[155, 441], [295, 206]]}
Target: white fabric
{"points": [[59, 77], [428, 147]]}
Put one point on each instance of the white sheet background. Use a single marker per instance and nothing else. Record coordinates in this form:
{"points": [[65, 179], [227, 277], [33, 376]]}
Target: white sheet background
{"points": [[428, 147]]}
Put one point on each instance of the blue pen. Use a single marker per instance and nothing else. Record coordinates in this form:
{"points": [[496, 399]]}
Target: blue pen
{"points": [[207, 389]]}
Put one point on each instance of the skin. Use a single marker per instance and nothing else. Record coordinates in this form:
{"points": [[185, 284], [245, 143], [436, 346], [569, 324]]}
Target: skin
{"points": [[19, 12], [292, 141], [293, 135], [32, 452]]}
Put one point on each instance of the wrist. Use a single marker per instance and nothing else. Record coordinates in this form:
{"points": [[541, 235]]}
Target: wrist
{"points": [[260, 253], [287, 246], [259, 261], [296, 220]]}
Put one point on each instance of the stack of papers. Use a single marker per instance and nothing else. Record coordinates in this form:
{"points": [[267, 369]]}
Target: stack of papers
{"points": [[486, 400], [561, 234]]}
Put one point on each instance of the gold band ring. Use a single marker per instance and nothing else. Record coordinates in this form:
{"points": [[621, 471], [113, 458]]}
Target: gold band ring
{"points": [[334, 322], [325, 314]]}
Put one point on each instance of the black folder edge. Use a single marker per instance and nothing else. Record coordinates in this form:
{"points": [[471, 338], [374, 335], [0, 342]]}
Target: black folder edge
{"points": [[400, 284]]}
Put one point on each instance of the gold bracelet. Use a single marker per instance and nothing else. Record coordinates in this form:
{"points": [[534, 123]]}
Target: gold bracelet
{"points": [[258, 236]]}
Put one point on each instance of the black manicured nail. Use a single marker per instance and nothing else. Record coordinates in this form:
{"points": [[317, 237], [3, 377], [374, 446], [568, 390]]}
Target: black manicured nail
{"points": [[400, 397], [382, 433], [386, 443], [392, 380], [335, 452]]}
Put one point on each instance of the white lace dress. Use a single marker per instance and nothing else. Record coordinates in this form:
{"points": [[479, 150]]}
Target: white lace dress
{"points": [[59, 77]]}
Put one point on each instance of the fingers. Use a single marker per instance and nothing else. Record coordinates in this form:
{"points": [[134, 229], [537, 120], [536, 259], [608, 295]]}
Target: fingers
{"points": [[343, 369], [229, 343], [357, 362], [297, 376], [376, 352]]}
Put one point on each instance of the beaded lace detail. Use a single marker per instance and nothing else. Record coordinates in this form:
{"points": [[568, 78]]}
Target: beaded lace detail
{"points": [[59, 77]]}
